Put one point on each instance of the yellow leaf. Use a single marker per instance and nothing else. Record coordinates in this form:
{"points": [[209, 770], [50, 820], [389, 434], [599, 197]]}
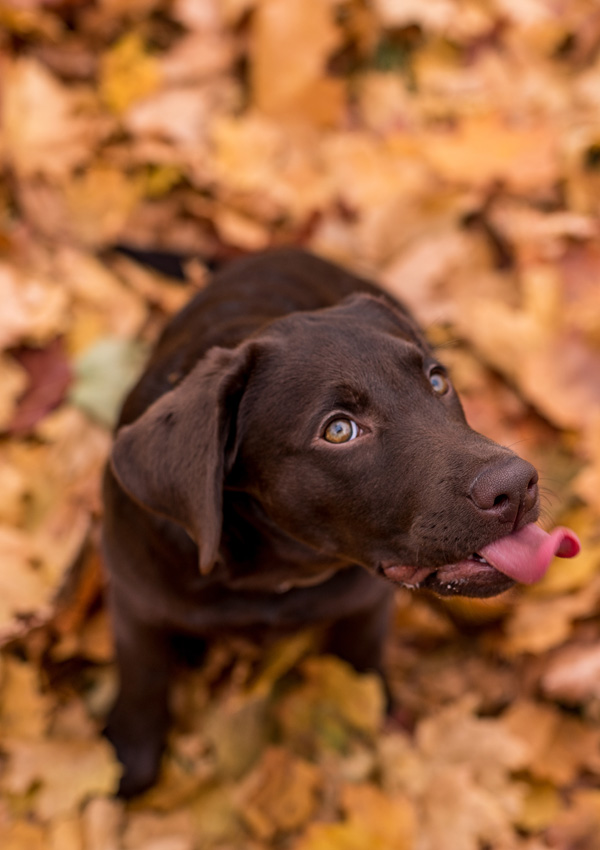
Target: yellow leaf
{"points": [[98, 203], [540, 806], [128, 73], [332, 702], [373, 819], [24, 710], [291, 41]]}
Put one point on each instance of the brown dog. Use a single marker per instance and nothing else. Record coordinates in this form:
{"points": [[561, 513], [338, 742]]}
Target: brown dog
{"points": [[293, 449]]}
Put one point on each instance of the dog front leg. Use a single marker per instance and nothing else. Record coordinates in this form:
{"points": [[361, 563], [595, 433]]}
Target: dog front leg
{"points": [[137, 724], [360, 639]]}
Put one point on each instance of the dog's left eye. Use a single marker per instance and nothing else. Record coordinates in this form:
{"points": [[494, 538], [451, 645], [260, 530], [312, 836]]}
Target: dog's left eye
{"points": [[439, 382], [341, 431]]}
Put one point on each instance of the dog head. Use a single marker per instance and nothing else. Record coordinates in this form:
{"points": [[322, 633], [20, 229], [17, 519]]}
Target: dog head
{"points": [[345, 429]]}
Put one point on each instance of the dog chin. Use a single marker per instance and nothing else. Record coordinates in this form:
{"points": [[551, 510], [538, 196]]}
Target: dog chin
{"points": [[469, 577]]}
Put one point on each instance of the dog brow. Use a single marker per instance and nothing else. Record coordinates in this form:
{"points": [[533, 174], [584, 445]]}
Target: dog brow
{"points": [[347, 396]]}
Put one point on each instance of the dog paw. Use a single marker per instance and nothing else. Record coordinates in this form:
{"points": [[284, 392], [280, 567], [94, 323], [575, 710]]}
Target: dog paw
{"points": [[140, 757]]}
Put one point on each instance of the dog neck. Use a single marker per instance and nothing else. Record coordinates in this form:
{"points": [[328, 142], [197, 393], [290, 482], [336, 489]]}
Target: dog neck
{"points": [[258, 555]]}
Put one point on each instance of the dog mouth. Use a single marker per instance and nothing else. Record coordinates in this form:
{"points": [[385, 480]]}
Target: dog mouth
{"points": [[522, 556]]}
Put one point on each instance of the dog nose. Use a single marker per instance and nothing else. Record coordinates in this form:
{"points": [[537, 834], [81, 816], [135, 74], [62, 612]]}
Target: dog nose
{"points": [[506, 490]]}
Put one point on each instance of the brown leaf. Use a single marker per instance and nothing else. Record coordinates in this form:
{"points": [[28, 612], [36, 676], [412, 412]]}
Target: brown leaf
{"points": [[287, 78], [332, 701], [485, 148], [372, 819], [45, 131], [280, 794], [572, 676], [67, 771], [559, 745], [13, 381], [49, 377], [34, 307]]}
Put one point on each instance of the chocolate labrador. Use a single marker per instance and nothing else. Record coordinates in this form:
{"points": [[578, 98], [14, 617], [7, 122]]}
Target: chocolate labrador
{"points": [[293, 450]]}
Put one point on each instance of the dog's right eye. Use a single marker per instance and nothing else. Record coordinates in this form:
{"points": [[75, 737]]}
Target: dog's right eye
{"points": [[341, 431]]}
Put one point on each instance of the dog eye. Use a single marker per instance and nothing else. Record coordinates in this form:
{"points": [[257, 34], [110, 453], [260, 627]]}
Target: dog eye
{"points": [[439, 382], [341, 431]]}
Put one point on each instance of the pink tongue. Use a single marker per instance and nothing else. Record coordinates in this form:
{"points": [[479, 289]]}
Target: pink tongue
{"points": [[525, 555]]}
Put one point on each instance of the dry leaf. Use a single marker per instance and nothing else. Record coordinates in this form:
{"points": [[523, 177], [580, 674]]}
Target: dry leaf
{"points": [[332, 701], [66, 771], [456, 147], [34, 308], [280, 794], [44, 128], [24, 590], [13, 381], [24, 710], [101, 824], [128, 73], [572, 675], [559, 745], [484, 149], [288, 80], [373, 819]]}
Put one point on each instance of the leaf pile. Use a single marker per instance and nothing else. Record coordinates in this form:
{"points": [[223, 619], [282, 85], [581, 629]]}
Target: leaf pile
{"points": [[451, 148]]}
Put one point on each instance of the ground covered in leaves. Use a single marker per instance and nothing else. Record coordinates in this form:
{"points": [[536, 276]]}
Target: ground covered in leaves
{"points": [[452, 149]]}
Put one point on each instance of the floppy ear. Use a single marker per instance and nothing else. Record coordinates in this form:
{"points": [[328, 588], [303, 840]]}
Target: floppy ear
{"points": [[172, 459]]}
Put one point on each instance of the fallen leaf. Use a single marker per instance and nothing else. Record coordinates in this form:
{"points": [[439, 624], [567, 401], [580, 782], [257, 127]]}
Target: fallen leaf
{"points": [[541, 806], [64, 833], [34, 308], [23, 588], [280, 794], [372, 819], [485, 148], [101, 824], [435, 14], [288, 81], [332, 701], [559, 745], [572, 675], [24, 709], [538, 625], [104, 374], [98, 204], [49, 375], [45, 128], [65, 772], [159, 832], [13, 381], [128, 73], [579, 824], [237, 728], [23, 835]]}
